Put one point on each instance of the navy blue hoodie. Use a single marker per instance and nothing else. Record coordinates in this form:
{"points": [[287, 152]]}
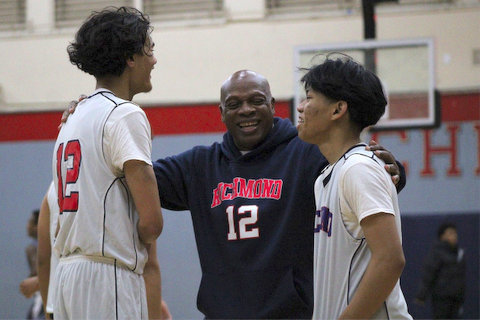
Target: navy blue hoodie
{"points": [[253, 218]]}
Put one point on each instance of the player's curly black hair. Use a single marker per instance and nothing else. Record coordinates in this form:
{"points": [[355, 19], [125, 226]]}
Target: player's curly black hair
{"points": [[107, 39], [344, 79]]}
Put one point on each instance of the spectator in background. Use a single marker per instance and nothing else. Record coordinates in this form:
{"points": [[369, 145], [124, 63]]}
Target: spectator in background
{"points": [[444, 275], [29, 286]]}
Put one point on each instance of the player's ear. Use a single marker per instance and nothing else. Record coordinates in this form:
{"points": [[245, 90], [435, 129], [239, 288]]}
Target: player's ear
{"points": [[339, 109], [131, 62]]}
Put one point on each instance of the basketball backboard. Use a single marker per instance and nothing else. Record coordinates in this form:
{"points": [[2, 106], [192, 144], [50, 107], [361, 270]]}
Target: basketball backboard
{"points": [[405, 67]]}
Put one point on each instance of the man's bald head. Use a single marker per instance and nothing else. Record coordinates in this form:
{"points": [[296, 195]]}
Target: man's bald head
{"points": [[244, 76]]}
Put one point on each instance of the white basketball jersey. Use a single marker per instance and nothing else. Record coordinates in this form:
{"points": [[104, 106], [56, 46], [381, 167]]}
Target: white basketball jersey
{"points": [[97, 212], [53, 208], [341, 254]]}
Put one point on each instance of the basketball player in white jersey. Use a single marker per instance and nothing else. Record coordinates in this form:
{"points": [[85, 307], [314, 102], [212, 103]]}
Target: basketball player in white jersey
{"points": [[358, 255], [47, 225], [109, 208]]}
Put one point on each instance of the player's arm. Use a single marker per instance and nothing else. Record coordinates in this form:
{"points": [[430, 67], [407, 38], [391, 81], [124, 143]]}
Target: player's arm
{"points": [[44, 249], [157, 308], [384, 269], [153, 282], [31, 253], [128, 147], [29, 286], [143, 187], [393, 167]]}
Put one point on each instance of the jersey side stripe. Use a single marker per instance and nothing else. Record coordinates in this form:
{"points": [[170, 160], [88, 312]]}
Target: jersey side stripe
{"points": [[350, 269], [130, 214], [105, 215], [116, 292]]}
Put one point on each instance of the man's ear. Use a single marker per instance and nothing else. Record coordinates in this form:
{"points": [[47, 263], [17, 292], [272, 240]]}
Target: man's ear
{"points": [[272, 103], [340, 109], [221, 112]]}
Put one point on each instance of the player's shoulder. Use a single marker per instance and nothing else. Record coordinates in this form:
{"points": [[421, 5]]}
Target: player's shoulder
{"points": [[129, 109], [127, 115], [358, 153], [362, 169], [109, 97], [360, 159]]}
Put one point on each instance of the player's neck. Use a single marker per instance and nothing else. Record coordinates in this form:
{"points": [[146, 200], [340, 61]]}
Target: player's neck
{"points": [[338, 143], [118, 85]]}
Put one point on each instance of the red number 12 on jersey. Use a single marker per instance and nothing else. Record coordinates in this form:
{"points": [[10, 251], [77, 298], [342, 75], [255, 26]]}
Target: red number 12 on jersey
{"points": [[73, 153]]}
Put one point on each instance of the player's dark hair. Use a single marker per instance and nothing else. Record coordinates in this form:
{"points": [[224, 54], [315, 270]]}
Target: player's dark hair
{"points": [[107, 39], [443, 227], [344, 79], [35, 215]]}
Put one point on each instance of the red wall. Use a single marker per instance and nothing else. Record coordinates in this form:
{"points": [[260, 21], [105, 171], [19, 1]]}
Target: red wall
{"points": [[164, 120], [188, 119]]}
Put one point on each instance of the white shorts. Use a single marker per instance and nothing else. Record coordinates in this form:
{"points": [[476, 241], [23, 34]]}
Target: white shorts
{"points": [[89, 287]]}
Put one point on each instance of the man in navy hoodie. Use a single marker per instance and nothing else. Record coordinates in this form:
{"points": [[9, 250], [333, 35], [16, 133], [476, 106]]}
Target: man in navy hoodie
{"points": [[252, 204]]}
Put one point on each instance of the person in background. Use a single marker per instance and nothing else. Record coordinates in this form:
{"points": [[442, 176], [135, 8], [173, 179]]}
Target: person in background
{"points": [[47, 262], [29, 287], [444, 274]]}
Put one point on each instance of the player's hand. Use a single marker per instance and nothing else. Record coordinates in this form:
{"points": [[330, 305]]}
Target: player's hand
{"points": [[390, 164], [70, 109], [28, 286], [165, 312]]}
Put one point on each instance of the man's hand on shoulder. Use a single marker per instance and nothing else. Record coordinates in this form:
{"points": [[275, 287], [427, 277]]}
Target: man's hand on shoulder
{"points": [[70, 109], [390, 164]]}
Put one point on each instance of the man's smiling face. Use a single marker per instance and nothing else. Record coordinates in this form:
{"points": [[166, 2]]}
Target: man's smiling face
{"points": [[247, 108]]}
